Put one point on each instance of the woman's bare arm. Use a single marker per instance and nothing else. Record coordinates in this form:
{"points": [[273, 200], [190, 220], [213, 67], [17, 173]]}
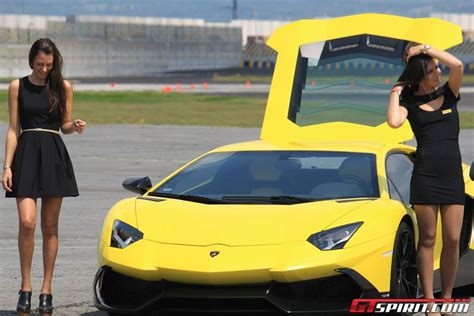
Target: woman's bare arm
{"points": [[69, 126], [13, 133], [396, 114]]}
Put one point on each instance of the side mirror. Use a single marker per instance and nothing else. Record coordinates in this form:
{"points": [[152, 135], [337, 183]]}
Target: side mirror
{"points": [[471, 172], [138, 185]]}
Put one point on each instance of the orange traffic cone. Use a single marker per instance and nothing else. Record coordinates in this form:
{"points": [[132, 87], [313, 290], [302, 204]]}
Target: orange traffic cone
{"points": [[167, 89]]}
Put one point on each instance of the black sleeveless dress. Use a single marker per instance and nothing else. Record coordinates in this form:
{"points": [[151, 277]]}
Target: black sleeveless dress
{"points": [[41, 166], [437, 174]]}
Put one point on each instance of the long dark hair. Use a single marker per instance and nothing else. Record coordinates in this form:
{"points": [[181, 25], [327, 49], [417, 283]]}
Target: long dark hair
{"points": [[415, 71], [54, 82]]}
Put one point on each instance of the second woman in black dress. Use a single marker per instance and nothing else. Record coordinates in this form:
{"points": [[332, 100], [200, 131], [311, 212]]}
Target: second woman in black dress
{"points": [[437, 180]]}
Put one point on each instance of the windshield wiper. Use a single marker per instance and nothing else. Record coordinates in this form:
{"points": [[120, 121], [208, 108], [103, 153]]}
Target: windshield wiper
{"points": [[356, 199], [188, 197], [291, 198], [276, 199]]}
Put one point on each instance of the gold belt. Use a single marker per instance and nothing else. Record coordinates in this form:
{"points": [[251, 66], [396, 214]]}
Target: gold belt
{"points": [[41, 130]]}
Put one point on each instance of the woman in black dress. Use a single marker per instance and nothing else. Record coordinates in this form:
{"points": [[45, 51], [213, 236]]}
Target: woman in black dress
{"points": [[437, 180], [37, 164]]}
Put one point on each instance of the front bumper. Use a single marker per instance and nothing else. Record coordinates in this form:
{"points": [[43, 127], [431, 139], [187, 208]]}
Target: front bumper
{"points": [[115, 292]]}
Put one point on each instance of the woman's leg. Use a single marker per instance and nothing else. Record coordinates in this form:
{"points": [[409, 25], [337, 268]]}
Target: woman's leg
{"points": [[50, 208], [451, 219], [426, 216], [26, 238]]}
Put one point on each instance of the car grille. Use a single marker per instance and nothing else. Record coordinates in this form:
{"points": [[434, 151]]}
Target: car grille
{"points": [[117, 291], [126, 292], [340, 289], [217, 305]]}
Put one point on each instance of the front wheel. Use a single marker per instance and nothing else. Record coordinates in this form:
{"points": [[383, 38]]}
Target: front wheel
{"points": [[404, 279]]}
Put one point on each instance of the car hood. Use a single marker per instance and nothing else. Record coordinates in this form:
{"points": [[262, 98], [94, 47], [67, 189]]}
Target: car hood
{"points": [[188, 223]]}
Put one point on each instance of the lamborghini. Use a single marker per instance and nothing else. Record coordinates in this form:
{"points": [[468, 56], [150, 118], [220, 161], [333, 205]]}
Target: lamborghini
{"points": [[312, 215]]}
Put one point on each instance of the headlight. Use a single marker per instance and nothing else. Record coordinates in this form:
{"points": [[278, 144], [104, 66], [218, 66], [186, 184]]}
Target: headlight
{"points": [[334, 238], [124, 235]]}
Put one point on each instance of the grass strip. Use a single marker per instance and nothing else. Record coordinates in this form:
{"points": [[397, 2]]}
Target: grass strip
{"points": [[163, 109], [157, 108]]}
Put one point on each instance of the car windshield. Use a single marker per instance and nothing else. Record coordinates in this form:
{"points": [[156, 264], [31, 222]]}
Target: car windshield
{"points": [[275, 177], [345, 79]]}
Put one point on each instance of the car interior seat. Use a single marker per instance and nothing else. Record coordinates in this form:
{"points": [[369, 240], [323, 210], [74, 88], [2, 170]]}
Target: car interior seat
{"points": [[357, 170], [266, 177], [353, 178]]}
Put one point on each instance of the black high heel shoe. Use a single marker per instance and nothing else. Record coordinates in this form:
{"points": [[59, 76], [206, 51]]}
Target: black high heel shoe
{"points": [[45, 304], [24, 302]]}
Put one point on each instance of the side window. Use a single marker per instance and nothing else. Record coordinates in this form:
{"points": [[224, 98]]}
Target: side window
{"points": [[394, 192], [399, 168]]}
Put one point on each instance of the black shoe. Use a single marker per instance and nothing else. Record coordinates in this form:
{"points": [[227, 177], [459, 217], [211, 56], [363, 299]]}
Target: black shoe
{"points": [[24, 302], [45, 304]]}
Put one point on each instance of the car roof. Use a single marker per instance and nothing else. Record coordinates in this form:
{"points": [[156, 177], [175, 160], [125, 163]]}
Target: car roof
{"points": [[288, 40], [341, 146]]}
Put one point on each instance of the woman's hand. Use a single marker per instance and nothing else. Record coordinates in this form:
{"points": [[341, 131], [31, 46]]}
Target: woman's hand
{"points": [[7, 179], [79, 125], [413, 51]]}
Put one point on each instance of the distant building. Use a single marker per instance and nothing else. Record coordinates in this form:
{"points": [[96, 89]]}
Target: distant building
{"points": [[108, 46], [104, 46]]}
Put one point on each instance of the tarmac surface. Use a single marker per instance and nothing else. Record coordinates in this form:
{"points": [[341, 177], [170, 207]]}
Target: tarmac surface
{"points": [[103, 157]]}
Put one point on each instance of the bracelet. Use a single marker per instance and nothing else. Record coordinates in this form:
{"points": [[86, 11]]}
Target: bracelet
{"points": [[426, 48], [6, 167], [398, 91]]}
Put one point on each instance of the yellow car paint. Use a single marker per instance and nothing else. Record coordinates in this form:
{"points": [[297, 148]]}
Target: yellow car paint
{"points": [[261, 243], [286, 41]]}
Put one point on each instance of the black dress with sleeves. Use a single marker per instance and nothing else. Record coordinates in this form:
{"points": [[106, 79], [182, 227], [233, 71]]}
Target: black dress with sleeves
{"points": [[41, 165], [437, 174]]}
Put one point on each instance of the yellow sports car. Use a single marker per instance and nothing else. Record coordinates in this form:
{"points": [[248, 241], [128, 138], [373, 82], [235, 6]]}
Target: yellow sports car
{"points": [[306, 219]]}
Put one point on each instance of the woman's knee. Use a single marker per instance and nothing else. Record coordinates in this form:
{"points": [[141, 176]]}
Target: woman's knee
{"points": [[49, 229], [27, 225], [451, 240], [427, 239]]}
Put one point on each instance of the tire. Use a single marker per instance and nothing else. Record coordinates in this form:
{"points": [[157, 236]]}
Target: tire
{"points": [[404, 275]]}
